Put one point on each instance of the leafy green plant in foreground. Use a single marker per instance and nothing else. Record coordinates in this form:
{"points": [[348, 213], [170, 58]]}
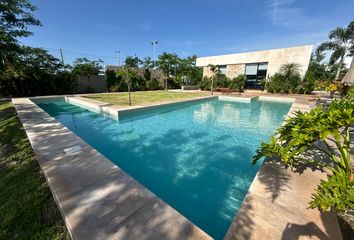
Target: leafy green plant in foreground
{"points": [[304, 132]]}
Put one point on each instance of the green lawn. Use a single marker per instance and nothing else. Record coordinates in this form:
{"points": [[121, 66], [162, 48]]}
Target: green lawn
{"points": [[27, 208], [143, 97]]}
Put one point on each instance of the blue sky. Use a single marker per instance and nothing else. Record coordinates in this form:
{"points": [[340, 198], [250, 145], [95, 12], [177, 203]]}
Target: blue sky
{"points": [[96, 29]]}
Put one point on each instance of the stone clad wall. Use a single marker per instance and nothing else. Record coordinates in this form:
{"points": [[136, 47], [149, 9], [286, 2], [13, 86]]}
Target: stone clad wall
{"points": [[207, 72], [234, 70]]}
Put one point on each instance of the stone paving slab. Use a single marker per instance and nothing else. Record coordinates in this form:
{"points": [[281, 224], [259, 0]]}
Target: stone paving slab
{"points": [[96, 198], [276, 205]]}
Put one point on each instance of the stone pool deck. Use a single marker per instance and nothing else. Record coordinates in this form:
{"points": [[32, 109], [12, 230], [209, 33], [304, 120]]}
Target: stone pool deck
{"points": [[276, 205], [98, 200]]}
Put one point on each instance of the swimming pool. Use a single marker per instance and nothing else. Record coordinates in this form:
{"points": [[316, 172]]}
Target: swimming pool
{"points": [[196, 158]]}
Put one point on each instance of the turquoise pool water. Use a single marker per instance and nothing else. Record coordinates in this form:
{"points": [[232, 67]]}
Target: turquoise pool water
{"points": [[196, 158]]}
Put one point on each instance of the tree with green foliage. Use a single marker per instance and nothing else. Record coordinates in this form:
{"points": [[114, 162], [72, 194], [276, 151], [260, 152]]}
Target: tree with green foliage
{"points": [[341, 44], [215, 70], [316, 72], [35, 72], [305, 132], [187, 69], [84, 66], [128, 75], [133, 61], [168, 62], [148, 63], [15, 18]]}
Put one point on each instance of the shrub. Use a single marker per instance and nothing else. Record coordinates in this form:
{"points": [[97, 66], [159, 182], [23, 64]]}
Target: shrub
{"points": [[153, 84], [280, 84], [221, 81], [288, 80], [205, 83], [174, 83], [302, 133], [276, 84], [238, 82]]}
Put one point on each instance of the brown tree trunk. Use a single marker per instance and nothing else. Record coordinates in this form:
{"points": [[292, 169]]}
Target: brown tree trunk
{"points": [[130, 99]]}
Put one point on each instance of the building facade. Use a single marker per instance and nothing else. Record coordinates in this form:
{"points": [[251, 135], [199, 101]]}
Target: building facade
{"points": [[259, 65]]}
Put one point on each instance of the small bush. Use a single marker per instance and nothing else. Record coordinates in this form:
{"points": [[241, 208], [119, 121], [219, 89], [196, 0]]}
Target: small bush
{"points": [[221, 81], [238, 82], [288, 80], [276, 84], [205, 84]]}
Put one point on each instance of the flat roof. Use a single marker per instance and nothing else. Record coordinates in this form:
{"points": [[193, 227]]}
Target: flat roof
{"points": [[253, 56]]}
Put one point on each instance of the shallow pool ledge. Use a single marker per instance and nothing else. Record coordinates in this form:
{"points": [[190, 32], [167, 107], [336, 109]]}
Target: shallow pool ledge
{"points": [[96, 198], [120, 113], [276, 205]]}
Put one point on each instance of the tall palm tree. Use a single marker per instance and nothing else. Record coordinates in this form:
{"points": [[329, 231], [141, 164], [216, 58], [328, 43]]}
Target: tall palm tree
{"points": [[128, 75], [215, 71], [341, 43]]}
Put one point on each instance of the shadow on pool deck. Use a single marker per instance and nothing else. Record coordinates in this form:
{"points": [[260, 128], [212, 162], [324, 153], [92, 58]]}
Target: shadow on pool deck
{"points": [[310, 230], [276, 206]]}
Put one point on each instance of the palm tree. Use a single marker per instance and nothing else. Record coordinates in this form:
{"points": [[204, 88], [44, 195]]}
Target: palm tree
{"points": [[291, 76], [341, 43], [215, 71], [290, 70], [128, 75]]}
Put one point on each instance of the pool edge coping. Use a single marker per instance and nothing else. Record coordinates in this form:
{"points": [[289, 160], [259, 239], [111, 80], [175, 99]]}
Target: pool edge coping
{"points": [[294, 107], [177, 217]]}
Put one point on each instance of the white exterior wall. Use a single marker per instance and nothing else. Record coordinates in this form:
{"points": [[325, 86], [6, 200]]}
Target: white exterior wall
{"points": [[275, 58]]}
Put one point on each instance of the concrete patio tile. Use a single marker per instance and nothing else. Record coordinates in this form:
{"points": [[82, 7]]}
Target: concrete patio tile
{"points": [[273, 180], [157, 220], [68, 174], [97, 211], [262, 220]]}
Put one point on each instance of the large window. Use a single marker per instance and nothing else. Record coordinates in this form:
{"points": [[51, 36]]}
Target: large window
{"points": [[222, 69], [255, 73]]}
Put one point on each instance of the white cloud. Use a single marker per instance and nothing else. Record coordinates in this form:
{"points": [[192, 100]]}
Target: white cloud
{"points": [[283, 13]]}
